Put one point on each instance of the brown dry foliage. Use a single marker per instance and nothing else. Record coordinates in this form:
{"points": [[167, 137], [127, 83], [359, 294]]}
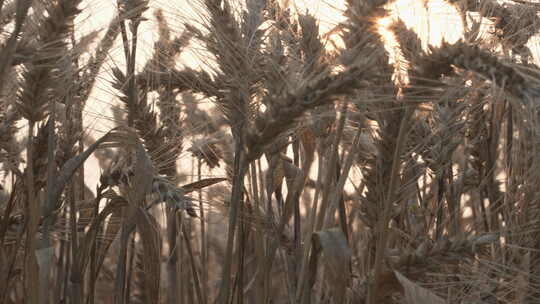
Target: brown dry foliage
{"points": [[442, 167]]}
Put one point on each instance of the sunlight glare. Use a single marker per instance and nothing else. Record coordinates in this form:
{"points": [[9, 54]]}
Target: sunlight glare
{"points": [[432, 20]]}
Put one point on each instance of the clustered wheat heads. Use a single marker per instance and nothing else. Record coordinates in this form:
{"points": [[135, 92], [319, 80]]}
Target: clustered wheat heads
{"points": [[348, 174]]}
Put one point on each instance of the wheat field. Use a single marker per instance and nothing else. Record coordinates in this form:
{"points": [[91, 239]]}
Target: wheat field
{"points": [[267, 151]]}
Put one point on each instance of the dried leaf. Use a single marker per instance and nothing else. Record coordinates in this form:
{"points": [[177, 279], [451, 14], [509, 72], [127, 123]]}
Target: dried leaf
{"points": [[308, 141], [90, 237], [148, 230], [44, 255], [44, 259], [336, 258], [416, 294], [73, 164], [143, 176], [203, 183]]}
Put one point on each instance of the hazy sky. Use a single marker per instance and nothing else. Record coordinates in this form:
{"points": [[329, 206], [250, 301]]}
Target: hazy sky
{"points": [[433, 22], [438, 21]]}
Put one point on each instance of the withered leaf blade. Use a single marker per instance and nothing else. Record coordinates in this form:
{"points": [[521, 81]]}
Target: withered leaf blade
{"points": [[113, 208], [147, 227], [203, 183], [336, 258], [143, 176], [72, 165], [416, 294]]}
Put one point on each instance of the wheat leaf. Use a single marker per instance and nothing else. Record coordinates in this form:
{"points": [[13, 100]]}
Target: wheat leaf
{"points": [[148, 230], [336, 257], [416, 294], [203, 183]]}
